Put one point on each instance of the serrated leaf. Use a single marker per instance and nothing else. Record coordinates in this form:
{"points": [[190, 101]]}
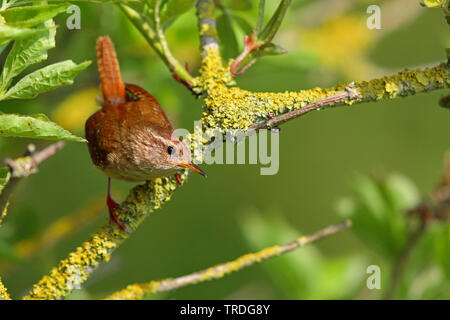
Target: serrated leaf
{"points": [[5, 174], [29, 16], [45, 79], [172, 9], [26, 52], [227, 37], [8, 33], [14, 125]]}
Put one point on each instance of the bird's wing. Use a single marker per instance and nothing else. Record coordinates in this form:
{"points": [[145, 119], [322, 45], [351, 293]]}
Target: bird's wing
{"points": [[142, 104]]}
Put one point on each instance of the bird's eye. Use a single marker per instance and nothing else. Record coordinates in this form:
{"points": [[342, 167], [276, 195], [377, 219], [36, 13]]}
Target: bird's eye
{"points": [[170, 150]]}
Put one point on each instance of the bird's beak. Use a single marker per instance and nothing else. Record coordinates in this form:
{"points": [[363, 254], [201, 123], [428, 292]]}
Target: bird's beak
{"points": [[193, 167]]}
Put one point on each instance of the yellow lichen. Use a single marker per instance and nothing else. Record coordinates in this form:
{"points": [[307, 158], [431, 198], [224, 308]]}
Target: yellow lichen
{"points": [[391, 88], [234, 108], [77, 267], [4, 213], [204, 29], [3, 292]]}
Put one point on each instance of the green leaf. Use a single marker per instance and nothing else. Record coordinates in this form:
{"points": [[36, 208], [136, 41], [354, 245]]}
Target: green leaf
{"points": [[227, 37], [272, 49], [261, 9], [26, 52], [342, 277], [8, 33], [45, 79], [295, 274], [5, 174], [172, 9], [13, 125], [378, 211], [32, 15], [274, 23]]}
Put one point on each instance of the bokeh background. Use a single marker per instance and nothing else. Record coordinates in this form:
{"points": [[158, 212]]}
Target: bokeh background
{"points": [[236, 210]]}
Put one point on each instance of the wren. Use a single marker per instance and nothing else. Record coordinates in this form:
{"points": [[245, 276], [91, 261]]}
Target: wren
{"points": [[130, 138]]}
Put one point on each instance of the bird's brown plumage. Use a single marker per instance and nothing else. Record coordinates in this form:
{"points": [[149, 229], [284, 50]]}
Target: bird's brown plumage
{"points": [[129, 137]]}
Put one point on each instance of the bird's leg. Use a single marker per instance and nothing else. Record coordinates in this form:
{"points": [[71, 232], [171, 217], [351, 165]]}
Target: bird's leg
{"points": [[177, 176], [112, 206]]}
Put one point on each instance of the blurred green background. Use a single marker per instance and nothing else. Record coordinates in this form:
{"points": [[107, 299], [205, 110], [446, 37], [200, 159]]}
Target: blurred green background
{"points": [[236, 210]]}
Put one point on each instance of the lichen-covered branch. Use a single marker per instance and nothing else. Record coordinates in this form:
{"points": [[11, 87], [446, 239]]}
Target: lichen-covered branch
{"points": [[234, 108], [350, 93], [137, 291], [225, 107], [3, 292], [80, 264], [207, 25]]}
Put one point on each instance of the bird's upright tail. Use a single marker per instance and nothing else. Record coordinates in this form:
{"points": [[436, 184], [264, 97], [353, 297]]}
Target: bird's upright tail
{"points": [[112, 86]]}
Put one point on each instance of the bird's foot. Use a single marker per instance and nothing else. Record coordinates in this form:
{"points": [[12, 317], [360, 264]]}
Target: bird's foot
{"points": [[177, 176], [112, 206]]}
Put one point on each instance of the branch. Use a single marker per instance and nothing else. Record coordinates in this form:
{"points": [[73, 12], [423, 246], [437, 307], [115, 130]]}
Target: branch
{"points": [[207, 26], [234, 108], [80, 264], [350, 93], [138, 291], [3, 292], [23, 167], [259, 43]]}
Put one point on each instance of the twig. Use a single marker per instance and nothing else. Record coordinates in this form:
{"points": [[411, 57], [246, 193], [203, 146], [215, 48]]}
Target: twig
{"points": [[260, 39], [250, 44], [25, 166], [350, 93], [207, 25], [137, 291], [234, 108], [157, 41]]}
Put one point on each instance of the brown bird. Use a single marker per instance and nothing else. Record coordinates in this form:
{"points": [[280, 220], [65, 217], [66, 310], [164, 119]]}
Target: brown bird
{"points": [[130, 138]]}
